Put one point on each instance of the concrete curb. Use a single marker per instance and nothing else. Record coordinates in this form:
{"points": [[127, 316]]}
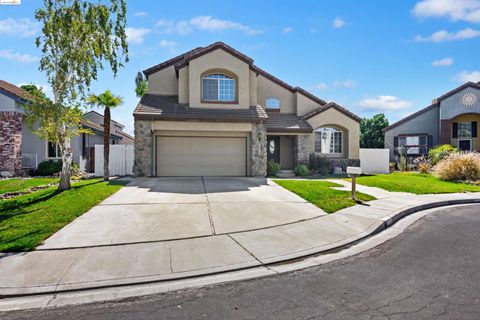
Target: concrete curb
{"points": [[373, 229]]}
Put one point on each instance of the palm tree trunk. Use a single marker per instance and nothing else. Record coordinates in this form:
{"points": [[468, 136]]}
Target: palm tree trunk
{"points": [[106, 143]]}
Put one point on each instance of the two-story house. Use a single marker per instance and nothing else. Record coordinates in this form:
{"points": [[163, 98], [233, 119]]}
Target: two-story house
{"points": [[211, 111]]}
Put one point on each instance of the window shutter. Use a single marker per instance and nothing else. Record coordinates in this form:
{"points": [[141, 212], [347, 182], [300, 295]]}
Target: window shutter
{"points": [[474, 129], [455, 130], [395, 142], [429, 141]]}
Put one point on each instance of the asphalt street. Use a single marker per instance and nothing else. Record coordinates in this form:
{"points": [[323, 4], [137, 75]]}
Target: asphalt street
{"points": [[431, 271]]}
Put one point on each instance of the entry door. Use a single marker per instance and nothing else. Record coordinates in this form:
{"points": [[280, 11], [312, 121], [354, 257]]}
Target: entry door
{"points": [[273, 149], [465, 144]]}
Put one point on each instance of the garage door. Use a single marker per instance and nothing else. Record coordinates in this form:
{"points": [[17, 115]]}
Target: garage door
{"points": [[201, 156]]}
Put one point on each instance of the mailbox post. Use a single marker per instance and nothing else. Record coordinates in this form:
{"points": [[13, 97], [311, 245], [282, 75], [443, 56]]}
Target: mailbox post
{"points": [[354, 172]]}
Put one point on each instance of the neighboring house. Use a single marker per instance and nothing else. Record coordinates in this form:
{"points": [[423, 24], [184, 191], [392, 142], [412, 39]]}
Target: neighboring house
{"points": [[451, 119], [211, 111], [21, 150]]}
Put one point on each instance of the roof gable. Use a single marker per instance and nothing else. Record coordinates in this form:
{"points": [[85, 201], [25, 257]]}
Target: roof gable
{"points": [[456, 90], [332, 105], [13, 91]]}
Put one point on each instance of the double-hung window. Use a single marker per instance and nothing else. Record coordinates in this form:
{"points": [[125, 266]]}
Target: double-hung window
{"points": [[218, 87]]}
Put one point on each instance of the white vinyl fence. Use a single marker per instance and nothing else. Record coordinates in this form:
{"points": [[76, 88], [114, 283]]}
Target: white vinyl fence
{"points": [[374, 161], [120, 161]]}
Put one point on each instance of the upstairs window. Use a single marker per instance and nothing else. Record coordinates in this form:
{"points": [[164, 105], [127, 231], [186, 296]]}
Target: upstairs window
{"points": [[272, 103], [218, 87], [328, 141]]}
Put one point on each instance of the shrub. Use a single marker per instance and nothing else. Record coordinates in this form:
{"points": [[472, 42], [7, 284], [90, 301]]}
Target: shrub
{"points": [[459, 167], [423, 163], [402, 163], [272, 168], [49, 167], [438, 153], [319, 164], [301, 170]]}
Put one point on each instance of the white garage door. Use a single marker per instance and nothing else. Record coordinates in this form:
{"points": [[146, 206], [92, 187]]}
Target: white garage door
{"points": [[201, 156]]}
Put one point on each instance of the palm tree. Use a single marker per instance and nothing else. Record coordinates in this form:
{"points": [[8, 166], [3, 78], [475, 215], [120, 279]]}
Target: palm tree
{"points": [[106, 101]]}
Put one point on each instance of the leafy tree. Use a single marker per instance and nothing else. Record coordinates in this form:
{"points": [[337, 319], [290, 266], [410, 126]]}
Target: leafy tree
{"points": [[141, 85], [78, 37], [371, 134], [106, 101]]}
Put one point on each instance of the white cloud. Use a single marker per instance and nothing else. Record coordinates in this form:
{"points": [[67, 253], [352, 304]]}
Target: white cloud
{"points": [[165, 43], [204, 23], [349, 84], [18, 27], [19, 57], [384, 103], [443, 35], [136, 35], [445, 62], [455, 10], [339, 23], [140, 14], [466, 76], [287, 30]]}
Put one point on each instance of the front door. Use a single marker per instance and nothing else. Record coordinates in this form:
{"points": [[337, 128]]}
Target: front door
{"points": [[465, 144], [273, 149]]}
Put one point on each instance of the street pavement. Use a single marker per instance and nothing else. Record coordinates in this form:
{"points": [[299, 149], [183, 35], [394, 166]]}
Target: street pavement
{"points": [[428, 272]]}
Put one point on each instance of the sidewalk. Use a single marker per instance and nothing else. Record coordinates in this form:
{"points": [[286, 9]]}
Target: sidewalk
{"points": [[57, 270]]}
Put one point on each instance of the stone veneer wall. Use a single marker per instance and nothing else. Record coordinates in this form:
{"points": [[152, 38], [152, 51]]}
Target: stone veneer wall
{"points": [[143, 145], [10, 143], [258, 152], [302, 149]]}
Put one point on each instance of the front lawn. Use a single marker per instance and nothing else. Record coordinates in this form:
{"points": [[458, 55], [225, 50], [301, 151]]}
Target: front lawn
{"points": [[16, 185], [413, 182], [27, 220], [322, 195]]}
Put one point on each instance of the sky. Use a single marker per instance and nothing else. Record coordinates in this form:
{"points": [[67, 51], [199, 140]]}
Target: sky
{"points": [[371, 56]]}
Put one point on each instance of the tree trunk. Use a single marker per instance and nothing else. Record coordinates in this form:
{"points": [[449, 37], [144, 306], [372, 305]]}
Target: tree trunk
{"points": [[66, 150], [106, 143]]}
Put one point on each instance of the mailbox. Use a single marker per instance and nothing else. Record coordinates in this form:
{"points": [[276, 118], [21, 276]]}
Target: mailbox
{"points": [[354, 172]]}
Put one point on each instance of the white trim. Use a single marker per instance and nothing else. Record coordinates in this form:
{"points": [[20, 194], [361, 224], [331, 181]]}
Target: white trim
{"points": [[46, 153], [465, 139]]}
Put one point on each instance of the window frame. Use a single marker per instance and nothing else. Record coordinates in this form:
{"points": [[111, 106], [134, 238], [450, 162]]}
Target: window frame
{"points": [[272, 108], [419, 147], [459, 129], [58, 152], [335, 132], [230, 77]]}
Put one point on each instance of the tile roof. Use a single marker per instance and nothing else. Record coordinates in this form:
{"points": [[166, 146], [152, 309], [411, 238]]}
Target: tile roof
{"points": [[332, 105], [287, 122], [154, 106], [13, 90]]}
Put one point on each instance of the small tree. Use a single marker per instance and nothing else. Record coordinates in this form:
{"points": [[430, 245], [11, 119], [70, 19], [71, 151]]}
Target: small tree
{"points": [[141, 85], [106, 101], [371, 131], [78, 36]]}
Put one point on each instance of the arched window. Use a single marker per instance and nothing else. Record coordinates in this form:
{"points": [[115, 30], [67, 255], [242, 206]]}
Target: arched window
{"points": [[218, 87], [328, 140], [272, 103]]}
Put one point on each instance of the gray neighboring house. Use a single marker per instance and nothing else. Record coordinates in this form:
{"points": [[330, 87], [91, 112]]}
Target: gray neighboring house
{"points": [[22, 150], [212, 112], [451, 119]]}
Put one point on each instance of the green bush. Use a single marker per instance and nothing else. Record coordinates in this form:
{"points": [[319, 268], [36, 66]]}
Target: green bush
{"points": [[75, 169], [301, 170], [441, 152], [319, 164], [402, 163], [49, 167], [272, 168]]}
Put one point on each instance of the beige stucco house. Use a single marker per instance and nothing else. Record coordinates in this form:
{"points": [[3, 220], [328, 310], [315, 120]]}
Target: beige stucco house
{"points": [[211, 111]]}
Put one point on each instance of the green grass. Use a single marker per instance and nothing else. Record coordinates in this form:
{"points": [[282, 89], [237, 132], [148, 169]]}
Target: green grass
{"points": [[417, 183], [27, 220], [322, 195], [15, 185]]}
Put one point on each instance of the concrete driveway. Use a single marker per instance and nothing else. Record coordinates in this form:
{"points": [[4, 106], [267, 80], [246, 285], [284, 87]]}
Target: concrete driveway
{"points": [[156, 209]]}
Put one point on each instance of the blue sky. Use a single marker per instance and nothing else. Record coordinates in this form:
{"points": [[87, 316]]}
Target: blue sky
{"points": [[370, 56]]}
